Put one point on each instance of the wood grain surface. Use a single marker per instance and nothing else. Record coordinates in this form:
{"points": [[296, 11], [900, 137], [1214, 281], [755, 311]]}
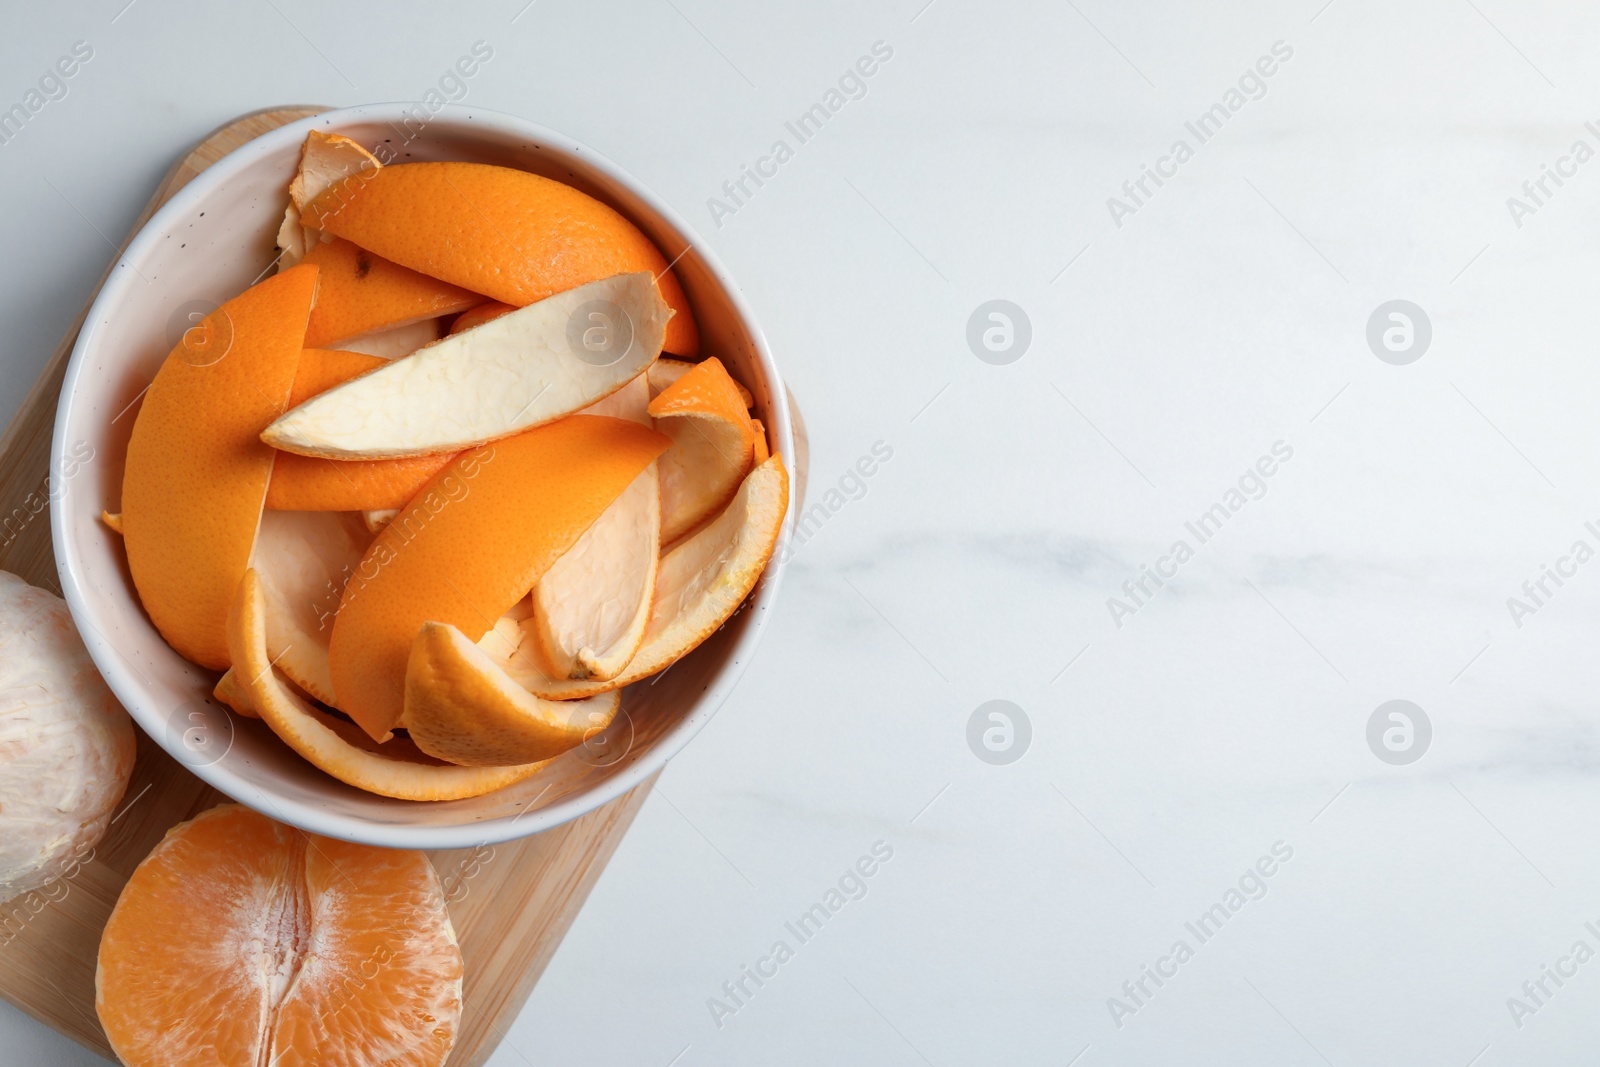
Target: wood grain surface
{"points": [[511, 903]]}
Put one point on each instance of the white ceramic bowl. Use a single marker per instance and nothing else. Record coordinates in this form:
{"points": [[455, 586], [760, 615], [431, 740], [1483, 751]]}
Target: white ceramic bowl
{"points": [[209, 243]]}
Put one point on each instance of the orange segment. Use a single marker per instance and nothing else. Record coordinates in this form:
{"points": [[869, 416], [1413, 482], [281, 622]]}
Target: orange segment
{"points": [[377, 912], [361, 292], [472, 544], [239, 940], [336, 746], [513, 236], [713, 446], [197, 471], [310, 483], [481, 314]]}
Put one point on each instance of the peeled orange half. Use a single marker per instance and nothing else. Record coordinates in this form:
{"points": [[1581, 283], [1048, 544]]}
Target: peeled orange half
{"points": [[241, 941]]}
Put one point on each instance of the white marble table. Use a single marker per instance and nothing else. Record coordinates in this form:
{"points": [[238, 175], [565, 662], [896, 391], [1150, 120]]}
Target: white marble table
{"points": [[1177, 741]]}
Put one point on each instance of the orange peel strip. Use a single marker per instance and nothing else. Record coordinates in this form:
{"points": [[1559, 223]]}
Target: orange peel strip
{"points": [[713, 446], [311, 483], [486, 312], [462, 708], [472, 544], [197, 472], [397, 769], [513, 236], [702, 582], [361, 292]]}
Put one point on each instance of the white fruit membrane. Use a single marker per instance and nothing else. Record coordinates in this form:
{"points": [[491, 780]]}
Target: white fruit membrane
{"points": [[66, 746]]}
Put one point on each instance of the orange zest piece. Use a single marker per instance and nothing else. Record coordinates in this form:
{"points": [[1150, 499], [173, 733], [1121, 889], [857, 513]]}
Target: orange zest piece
{"points": [[462, 708], [239, 940], [701, 583], [513, 236], [320, 369], [704, 389], [472, 543], [761, 449], [232, 692], [338, 747], [481, 314], [325, 158], [310, 483], [360, 292], [197, 472], [713, 446]]}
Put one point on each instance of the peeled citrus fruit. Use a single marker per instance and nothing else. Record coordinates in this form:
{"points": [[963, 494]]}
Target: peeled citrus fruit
{"points": [[713, 446], [239, 940], [358, 292], [472, 544], [394, 769], [510, 235], [462, 708], [521, 370], [310, 483], [702, 582], [197, 471], [591, 606], [66, 748]]}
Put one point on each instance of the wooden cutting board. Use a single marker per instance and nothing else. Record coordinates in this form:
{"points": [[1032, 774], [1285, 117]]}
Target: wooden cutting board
{"points": [[511, 903]]}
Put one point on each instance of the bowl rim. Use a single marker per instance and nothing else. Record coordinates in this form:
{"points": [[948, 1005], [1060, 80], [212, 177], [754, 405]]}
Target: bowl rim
{"points": [[307, 814]]}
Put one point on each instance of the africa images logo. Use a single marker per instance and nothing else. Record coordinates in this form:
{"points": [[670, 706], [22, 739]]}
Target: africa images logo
{"points": [[851, 85], [1252, 85], [52, 87]]}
